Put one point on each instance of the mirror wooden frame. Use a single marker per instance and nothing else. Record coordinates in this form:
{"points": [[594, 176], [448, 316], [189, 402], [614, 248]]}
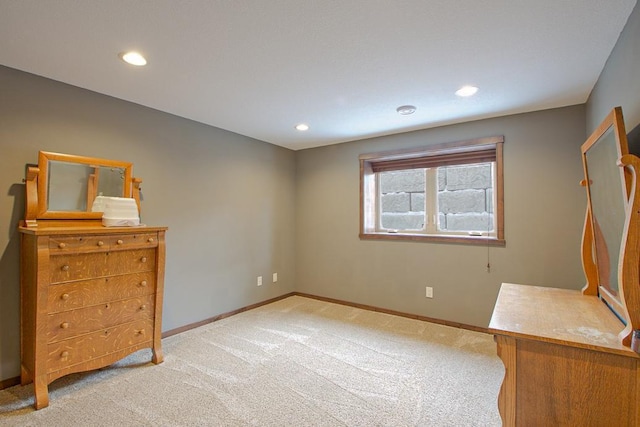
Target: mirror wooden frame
{"points": [[627, 306], [37, 187]]}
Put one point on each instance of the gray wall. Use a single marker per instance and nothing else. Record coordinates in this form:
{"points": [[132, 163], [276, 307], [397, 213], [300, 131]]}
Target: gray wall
{"points": [[544, 211], [619, 84], [228, 200]]}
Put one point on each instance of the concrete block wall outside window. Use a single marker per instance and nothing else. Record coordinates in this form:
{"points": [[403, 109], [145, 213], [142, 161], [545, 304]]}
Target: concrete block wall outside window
{"points": [[464, 198], [402, 199]]}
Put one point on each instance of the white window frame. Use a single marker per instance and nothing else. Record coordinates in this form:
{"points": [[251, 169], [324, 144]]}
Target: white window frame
{"points": [[449, 154]]}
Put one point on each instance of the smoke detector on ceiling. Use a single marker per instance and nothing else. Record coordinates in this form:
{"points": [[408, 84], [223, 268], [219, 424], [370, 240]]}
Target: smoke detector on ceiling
{"points": [[405, 110]]}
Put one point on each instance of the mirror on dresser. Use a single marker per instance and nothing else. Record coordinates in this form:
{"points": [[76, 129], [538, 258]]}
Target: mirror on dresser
{"points": [[73, 187], [611, 238], [65, 186], [607, 186]]}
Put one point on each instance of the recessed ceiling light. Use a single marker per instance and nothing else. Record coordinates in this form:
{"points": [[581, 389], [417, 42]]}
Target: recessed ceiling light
{"points": [[405, 110], [467, 91], [133, 58], [302, 127]]}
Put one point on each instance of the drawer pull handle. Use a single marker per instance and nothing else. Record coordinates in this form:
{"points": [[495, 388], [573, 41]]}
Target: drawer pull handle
{"points": [[62, 245], [140, 332], [65, 268], [64, 354], [64, 297], [143, 259], [150, 240], [107, 306], [64, 325], [119, 242], [143, 283], [143, 307], [100, 243]]}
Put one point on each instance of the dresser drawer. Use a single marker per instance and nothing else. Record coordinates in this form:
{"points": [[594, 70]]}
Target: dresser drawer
{"points": [[69, 296], [133, 241], [72, 244], [65, 268], [68, 324], [75, 244], [84, 348]]}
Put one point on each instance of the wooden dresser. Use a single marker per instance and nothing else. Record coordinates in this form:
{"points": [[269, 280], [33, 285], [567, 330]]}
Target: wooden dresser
{"points": [[569, 355], [90, 295], [564, 362]]}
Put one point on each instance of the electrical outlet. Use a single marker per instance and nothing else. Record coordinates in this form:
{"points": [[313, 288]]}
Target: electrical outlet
{"points": [[275, 277], [259, 280], [429, 292]]}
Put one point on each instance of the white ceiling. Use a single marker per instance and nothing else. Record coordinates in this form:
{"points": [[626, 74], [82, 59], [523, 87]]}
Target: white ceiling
{"points": [[259, 67]]}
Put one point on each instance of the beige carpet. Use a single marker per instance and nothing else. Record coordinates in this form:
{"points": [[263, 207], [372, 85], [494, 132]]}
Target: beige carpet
{"points": [[296, 362]]}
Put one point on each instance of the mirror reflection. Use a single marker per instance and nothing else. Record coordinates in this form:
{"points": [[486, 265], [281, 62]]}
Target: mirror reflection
{"points": [[74, 186], [607, 207]]}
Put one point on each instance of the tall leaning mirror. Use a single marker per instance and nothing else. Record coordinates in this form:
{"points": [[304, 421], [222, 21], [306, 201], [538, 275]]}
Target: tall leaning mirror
{"points": [[608, 186], [66, 186]]}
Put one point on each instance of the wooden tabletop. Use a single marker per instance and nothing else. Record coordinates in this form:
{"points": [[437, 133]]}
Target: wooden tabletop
{"points": [[58, 227], [559, 316]]}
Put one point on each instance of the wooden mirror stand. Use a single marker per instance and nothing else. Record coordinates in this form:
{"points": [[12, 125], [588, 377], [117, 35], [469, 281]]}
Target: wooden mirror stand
{"points": [[38, 179], [625, 302]]}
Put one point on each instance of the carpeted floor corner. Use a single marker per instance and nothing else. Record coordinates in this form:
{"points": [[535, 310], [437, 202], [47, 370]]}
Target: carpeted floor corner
{"points": [[295, 362]]}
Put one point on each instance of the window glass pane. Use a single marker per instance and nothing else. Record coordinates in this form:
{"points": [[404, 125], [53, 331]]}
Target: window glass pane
{"points": [[465, 198], [402, 199]]}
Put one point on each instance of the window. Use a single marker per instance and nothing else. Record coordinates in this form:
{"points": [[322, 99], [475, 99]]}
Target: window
{"points": [[448, 192]]}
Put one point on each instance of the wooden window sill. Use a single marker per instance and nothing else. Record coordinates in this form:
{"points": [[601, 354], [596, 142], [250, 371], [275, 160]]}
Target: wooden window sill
{"points": [[458, 239]]}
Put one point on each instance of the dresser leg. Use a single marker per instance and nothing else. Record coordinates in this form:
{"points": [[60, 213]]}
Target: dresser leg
{"points": [[157, 357], [25, 376], [41, 392], [507, 398]]}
